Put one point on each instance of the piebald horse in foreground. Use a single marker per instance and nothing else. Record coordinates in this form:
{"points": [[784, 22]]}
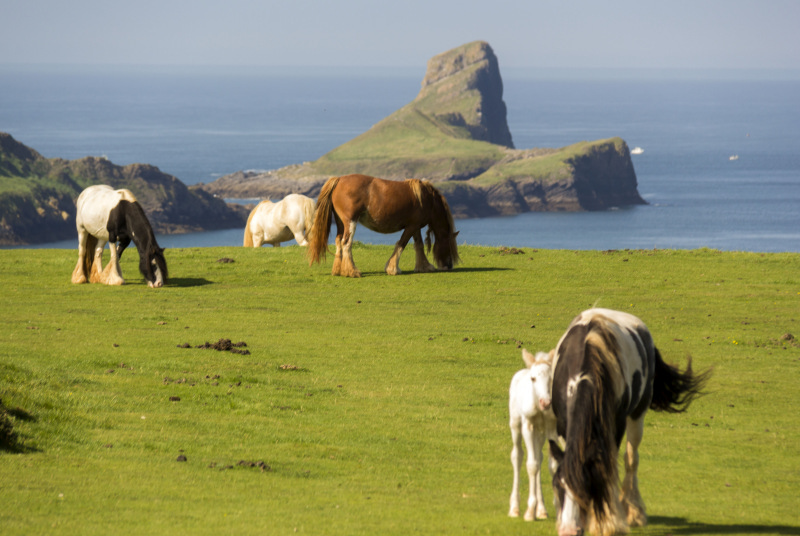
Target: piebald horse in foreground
{"points": [[606, 374], [105, 215], [385, 207]]}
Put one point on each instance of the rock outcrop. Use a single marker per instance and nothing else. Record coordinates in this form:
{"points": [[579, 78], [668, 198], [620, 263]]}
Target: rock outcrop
{"points": [[455, 133], [37, 201], [463, 88]]}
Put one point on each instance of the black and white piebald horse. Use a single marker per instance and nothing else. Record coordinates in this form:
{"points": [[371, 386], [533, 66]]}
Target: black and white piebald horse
{"points": [[108, 215], [606, 374]]}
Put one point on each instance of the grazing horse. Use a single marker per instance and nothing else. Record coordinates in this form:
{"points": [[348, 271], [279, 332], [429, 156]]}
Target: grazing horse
{"points": [[108, 215], [531, 419], [273, 223], [385, 207], [606, 374]]}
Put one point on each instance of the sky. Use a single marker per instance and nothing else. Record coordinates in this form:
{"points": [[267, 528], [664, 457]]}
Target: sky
{"points": [[526, 34]]}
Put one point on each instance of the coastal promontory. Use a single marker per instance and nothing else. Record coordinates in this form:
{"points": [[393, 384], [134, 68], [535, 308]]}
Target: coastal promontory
{"points": [[37, 196], [455, 133]]}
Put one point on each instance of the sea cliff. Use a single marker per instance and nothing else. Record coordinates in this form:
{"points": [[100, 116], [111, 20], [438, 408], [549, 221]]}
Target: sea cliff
{"points": [[455, 133], [37, 196]]}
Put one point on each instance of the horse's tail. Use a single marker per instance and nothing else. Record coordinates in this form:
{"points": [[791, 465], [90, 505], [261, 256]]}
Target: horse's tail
{"points": [[321, 229], [248, 234], [674, 390], [88, 255]]}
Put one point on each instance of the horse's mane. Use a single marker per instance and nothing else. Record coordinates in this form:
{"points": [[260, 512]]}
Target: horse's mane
{"points": [[591, 471], [442, 221]]}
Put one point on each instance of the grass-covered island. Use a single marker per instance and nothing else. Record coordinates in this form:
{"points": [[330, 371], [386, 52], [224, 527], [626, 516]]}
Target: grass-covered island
{"points": [[455, 133]]}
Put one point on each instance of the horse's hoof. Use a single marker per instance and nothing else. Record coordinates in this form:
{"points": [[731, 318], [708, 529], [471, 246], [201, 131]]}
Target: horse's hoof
{"points": [[514, 512]]}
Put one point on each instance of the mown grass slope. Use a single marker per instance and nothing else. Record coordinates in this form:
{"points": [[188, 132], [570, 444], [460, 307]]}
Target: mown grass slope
{"points": [[379, 405]]}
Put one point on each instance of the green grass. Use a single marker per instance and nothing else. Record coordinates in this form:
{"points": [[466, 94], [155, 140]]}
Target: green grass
{"points": [[379, 404], [548, 167]]}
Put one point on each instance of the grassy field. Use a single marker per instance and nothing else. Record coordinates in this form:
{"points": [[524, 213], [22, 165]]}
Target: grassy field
{"points": [[373, 406]]}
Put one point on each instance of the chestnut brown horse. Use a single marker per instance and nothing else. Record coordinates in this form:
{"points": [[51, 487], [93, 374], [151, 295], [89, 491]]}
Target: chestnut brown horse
{"points": [[385, 207]]}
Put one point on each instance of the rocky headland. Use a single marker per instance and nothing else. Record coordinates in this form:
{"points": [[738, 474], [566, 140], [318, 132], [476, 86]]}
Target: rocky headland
{"points": [[37, 196], [455, 133]]}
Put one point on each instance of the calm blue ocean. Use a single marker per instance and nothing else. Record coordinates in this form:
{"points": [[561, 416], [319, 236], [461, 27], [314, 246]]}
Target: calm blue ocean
{"points": [[199, 125]]}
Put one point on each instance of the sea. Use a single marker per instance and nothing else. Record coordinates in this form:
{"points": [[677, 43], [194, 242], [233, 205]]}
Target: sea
{"points": [[719, 167]]}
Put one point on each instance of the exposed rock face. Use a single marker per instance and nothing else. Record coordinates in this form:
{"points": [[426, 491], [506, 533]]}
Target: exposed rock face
{"points": [[455, 133], [600, 178], [41, 207], [463, 87]]}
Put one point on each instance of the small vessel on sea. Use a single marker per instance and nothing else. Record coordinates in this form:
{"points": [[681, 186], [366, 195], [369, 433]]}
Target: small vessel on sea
{"points": [[733, 157], [637, 150]]}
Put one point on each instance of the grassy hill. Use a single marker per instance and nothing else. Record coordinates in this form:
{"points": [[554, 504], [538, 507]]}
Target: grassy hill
{"points": [[455, 133]]}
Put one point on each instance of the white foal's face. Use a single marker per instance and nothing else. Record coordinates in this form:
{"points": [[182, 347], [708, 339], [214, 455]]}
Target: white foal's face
{"points": [[541, 380]]}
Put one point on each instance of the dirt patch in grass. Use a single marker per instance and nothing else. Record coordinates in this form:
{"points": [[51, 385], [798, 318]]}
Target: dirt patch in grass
{"points": [[222, 345], [242, 463]]}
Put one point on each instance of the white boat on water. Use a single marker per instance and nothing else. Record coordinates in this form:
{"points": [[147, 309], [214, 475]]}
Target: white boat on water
{"points": [[637, 150], [733, 157]]}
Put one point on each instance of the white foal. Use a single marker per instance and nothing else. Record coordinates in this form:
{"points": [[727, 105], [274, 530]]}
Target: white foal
{"points": [[531, 419]]}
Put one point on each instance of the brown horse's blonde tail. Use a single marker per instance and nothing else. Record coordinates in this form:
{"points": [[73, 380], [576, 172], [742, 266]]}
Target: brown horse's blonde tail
{"points": [[321, 229], [248, 234]]}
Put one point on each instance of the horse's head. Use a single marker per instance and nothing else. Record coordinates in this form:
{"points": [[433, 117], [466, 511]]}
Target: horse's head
{"points": [[585, 482], [154, 267], [445, 247], [540, 369], [571, 509]]}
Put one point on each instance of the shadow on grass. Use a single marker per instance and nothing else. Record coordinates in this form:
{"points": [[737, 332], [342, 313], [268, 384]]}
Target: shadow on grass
{"points": [[371, 273], [9, 439], [679, 525], [188, 282]]}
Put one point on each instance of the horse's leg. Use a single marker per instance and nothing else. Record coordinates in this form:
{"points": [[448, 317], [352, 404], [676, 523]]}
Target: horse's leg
{"points": [[422, 264], [337, 259], [516, 463], [534, 440], [348, 265], [393, 264], [96, 272], [631, 499], [299, 235], [552, 435], [112, 274], [540, 511], [79, 273]]}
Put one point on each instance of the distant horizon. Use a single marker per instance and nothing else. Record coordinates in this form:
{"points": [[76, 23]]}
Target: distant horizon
{"points": [[580, 34], [557, 73]]}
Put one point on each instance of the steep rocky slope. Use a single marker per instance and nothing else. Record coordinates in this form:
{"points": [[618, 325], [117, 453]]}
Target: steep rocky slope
{"points": [[37, 196], [455, 133]]}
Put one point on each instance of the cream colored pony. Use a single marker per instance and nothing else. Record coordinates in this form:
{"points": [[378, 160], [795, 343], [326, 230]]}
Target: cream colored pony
{"points": [[273, 223]]}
